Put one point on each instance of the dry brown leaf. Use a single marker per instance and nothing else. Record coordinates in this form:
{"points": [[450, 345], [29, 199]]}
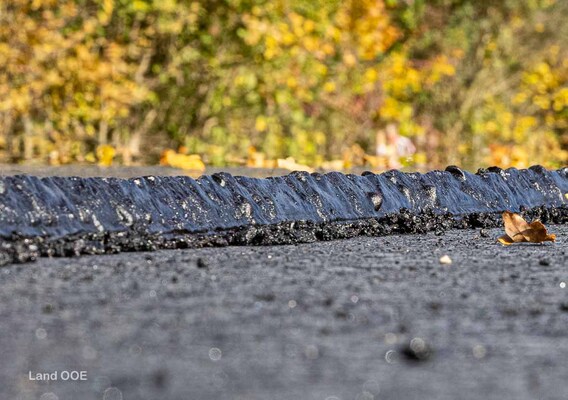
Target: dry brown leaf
{"points": [[538, 233], [505, 240], [514, 225], [518, 230]]}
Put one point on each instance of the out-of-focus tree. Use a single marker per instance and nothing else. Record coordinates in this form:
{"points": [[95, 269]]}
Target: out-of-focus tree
{"points": [[66, 84], [472, 82], [511, 58]]}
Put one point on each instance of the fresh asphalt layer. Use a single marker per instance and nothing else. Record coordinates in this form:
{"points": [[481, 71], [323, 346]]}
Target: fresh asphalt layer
{"points": [[364, 318]]}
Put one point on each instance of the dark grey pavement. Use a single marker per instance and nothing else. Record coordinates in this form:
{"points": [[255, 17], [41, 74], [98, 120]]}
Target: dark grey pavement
{"points": [[328, 320]]}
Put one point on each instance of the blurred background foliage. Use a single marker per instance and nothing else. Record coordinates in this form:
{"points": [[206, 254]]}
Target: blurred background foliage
{"points": [[283, 83]]}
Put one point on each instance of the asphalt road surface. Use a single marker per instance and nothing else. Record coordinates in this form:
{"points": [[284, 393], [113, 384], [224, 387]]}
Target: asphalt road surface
{"points": [[365, 318]]}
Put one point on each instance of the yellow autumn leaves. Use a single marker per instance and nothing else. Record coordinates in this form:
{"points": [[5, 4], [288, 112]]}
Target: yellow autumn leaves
{"points": [[311, 80], [61, 79]]}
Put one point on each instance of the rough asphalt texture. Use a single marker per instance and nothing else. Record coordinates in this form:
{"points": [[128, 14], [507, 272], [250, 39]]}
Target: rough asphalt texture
{"points": [[327, 320]]}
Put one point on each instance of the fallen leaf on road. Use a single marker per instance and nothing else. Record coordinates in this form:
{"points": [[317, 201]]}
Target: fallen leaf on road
{"points": [[518, 230], [191, 162], [105, 154]]}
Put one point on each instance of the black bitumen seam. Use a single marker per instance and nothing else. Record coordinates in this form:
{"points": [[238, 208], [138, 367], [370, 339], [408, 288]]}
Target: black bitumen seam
{"points": [[58, 216]]}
